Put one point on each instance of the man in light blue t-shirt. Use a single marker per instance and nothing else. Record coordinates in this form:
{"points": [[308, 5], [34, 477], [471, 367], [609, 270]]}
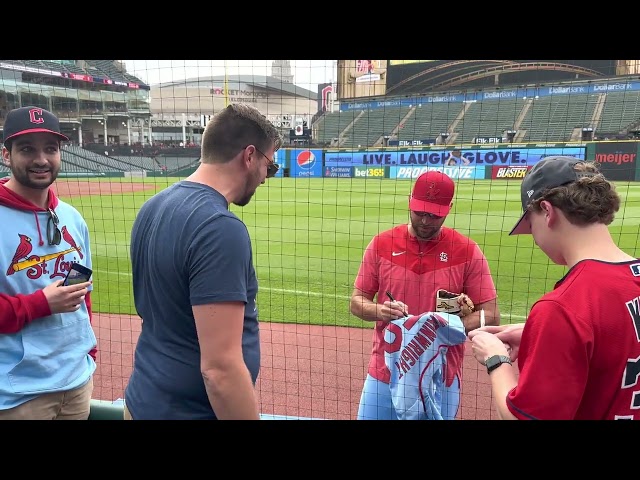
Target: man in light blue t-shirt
{"points": [[47, 344], [194, 284]]}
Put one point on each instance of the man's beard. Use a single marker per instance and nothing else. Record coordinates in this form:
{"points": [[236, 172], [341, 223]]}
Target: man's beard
{"points": [[248, 193], [430, 234], [22, 176], [245, 199]]}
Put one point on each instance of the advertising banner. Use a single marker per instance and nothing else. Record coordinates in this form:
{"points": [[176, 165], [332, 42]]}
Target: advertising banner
{"points": [[412, 143], [457, 173], [509, 173], [371, 172], [617, 159], [445, 157], [338, 172], [513, 93], [280, 157], [306, 163], [484, 140]]}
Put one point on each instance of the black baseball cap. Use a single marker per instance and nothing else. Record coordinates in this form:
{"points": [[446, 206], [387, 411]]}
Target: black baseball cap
{"points": [[23, 120], [550, 172]]}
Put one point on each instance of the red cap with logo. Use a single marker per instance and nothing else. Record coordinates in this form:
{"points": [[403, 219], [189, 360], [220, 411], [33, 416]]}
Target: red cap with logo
{"points": [[432, 193]]}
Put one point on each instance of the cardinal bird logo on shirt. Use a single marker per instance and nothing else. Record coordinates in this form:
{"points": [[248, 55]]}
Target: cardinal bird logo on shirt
{"points": [[36, 265], [69, 239], [22, 252]]}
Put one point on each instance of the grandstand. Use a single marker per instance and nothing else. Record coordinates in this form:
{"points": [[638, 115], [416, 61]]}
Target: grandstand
{"points": [[550, 118], [429, 120], [471, 100], [102, 105]]}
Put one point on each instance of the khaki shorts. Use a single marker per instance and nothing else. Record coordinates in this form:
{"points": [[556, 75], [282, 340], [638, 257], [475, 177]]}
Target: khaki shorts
{"points": [[127, 414], [70, 405]]}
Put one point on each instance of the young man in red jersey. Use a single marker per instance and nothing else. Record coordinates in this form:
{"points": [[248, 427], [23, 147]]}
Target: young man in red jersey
{"points": [[412, 262], [579, 350]]}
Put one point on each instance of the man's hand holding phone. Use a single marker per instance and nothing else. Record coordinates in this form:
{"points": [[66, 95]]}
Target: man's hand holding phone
{"points": [[63, 299]]}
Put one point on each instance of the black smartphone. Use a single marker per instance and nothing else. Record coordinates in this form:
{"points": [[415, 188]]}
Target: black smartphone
{"points": [[77, 274]]}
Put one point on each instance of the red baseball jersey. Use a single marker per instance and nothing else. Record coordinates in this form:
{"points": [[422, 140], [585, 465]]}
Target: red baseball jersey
{"points": [[579, 355], [413, 271]]}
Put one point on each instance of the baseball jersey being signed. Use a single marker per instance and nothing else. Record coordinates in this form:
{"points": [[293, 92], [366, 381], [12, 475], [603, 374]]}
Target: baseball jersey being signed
{"points": [[420, 352], [413, 271]]}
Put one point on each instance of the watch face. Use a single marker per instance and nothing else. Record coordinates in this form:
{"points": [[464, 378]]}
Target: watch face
{"points": [[496, 360]]}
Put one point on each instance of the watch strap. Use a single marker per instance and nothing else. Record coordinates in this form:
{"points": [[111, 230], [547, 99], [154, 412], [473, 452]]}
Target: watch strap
{"points": [[495, 361]]}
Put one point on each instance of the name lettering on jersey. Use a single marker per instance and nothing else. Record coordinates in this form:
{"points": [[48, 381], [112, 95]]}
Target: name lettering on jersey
{"points": [[633, 306], [37, 265], [632, 370], [635, 269], [419, 344]]}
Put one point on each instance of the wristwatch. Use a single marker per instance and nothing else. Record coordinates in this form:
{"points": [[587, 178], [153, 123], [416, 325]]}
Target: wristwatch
{"points": [[494, 362]]}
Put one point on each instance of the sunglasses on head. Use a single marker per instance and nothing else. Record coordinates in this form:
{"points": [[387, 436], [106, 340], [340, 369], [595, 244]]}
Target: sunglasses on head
{"points": [[272, 166], [54, 236]]}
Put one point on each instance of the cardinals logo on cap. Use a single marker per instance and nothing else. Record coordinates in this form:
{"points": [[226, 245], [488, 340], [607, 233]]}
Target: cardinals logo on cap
{"points": [[432, 192]]}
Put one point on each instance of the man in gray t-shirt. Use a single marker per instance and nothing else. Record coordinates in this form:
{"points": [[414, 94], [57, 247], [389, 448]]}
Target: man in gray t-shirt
{"points": [[194, 284]]}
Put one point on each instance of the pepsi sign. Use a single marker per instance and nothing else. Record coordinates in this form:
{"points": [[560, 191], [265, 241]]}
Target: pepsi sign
{"points": [[306, 163]]}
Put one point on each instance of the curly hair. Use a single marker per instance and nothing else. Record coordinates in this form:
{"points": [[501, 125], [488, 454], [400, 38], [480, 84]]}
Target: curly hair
{"points": [[588, 200]]}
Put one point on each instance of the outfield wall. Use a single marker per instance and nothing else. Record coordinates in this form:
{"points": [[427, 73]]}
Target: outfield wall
{"points": [[617, 159]]}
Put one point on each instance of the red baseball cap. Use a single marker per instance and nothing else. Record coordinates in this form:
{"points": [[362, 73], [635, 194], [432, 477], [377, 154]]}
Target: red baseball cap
{"points": [[432, 193]]}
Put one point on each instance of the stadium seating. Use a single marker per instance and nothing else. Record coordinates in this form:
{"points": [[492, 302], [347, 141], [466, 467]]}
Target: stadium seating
{"points": [[173, 163], [429, 120], [488, 119], [331, 125], [621, 110], [99, 68], [554, 118], [102, 163], [372, 125], [557, 118]]}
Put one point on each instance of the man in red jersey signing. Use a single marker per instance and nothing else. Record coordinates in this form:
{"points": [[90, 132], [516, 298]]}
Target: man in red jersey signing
{"points": [[417, 264], [579, 350]]}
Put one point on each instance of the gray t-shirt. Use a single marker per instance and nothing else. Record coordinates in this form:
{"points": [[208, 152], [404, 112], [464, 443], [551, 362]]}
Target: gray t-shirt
{"points": [[187, 249]]}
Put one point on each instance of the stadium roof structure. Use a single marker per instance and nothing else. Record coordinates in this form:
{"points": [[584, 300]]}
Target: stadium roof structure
{"points": [[448, 75], [261, 81]]}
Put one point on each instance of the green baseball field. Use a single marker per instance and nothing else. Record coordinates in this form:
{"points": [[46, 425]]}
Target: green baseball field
{"points": [[309, 235], [308, 238]]}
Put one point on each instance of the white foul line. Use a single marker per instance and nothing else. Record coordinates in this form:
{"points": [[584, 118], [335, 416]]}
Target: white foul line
{"points": [[296, 292]]}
